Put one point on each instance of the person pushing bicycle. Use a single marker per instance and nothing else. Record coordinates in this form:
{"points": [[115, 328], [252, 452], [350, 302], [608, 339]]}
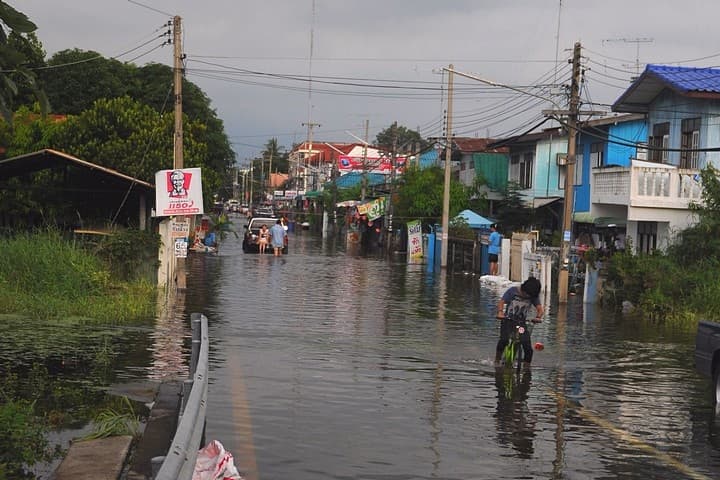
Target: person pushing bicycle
{"points": [[513, 309]]}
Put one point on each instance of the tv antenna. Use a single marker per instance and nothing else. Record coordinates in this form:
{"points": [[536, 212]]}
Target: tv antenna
{"points": [[637, 42]]}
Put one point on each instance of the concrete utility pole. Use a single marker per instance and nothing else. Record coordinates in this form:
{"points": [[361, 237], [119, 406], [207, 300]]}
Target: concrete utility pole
{"points": [[306, 160], [448, 156], [180, 280], [364, 163], [570, 174], [391, 211]]}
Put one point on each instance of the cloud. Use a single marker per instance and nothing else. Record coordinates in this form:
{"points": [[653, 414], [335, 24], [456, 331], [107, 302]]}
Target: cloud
{"points": [[394, 43]]}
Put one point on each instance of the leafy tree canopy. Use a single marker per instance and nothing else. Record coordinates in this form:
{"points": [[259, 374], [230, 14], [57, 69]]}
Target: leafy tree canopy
{"points": [[420, 195], [127, 136], [80, 77], [16, 56], [400, 139], [513, 213]]}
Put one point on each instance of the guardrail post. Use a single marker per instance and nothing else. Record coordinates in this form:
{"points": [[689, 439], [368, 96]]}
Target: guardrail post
{"points": [[179, 462], [195, 320]]}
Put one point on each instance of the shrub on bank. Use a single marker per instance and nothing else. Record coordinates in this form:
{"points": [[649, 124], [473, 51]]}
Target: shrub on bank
{"points": [[45, 276]]}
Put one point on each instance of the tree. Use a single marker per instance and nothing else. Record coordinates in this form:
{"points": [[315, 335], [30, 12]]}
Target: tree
{"points": [[130, 137], [400, 139], [15, 43], [420, 195], [278, 154], [514, 214], [701, 242], [81, 77]]}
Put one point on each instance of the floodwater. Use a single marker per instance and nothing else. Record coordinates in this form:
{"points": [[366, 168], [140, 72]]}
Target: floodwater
{"points": [[328, 365]]}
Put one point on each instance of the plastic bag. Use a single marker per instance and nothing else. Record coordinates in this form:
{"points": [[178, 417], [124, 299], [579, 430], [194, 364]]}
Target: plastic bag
{"points": [[215, 463]]}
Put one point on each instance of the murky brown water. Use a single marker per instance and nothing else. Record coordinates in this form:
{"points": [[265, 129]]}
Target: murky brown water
{"points": [[331, 366]]}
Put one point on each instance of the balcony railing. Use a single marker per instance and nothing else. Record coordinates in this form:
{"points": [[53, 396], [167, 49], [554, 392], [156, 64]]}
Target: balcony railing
{"points": [[643, 185]]}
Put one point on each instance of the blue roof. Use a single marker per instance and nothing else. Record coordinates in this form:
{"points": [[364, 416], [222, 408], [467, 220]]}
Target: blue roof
{"points": [[688, 79], [352, 179], [475, 220]]}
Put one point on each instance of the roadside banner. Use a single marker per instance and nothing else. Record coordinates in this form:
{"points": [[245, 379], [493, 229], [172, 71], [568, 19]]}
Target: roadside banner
{"points": [[373, 209], [414, 247], [178, 192]]}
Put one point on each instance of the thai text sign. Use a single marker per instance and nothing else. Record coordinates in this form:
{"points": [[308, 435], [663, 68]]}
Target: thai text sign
{"points": [[178, 192], [180, 229], [373, 209], [414, 247]]}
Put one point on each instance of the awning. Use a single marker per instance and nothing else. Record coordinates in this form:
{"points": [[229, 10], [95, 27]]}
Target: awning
{"points": [[541, 202], [600, 222], [348, 203], [313, 194], [610, 222]]}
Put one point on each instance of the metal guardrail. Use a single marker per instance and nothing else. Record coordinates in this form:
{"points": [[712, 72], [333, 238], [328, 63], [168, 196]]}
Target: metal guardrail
{"points": [[179, 463]]}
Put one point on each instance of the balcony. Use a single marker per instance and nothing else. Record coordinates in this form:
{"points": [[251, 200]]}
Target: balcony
{"points": [[646, 184]]}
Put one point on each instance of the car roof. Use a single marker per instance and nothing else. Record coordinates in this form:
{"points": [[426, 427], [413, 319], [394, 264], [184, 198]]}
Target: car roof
{"points": [[261, 220]]}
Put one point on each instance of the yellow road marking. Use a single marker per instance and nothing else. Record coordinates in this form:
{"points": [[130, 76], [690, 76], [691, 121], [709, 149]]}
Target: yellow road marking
{"points": [[628, 437], [245, 459]]}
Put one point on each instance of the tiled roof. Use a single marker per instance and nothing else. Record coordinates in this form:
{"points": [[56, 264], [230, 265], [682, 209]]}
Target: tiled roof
{"points": [[471, 145], [688, 79]]}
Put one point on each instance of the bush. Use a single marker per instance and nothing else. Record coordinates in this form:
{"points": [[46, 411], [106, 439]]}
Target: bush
{"points": [[23, 440]]}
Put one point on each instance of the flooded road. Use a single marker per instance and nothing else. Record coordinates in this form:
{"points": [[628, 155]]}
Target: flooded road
{"points": [[331, 366]]}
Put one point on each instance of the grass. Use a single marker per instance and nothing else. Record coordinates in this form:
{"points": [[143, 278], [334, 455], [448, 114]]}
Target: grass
{"points": [[47, 277]]}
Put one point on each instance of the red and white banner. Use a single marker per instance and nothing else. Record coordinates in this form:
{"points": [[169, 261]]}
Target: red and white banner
{"points": [[178, 192], [347, 164]]}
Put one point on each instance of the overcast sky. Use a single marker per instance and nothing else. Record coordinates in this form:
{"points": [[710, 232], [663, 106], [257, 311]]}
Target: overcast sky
{"points": [[382, 61]]}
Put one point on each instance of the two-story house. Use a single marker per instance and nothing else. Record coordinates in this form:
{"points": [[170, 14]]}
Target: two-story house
{"points": [[654, 191], [603, 145]]}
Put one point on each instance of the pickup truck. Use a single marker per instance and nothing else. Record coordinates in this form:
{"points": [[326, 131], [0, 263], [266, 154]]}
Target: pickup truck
{"points": [[707, 353], [252, 230]]}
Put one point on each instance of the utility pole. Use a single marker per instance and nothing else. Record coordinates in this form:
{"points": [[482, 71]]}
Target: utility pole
{"points": [[393, 161], [364, 163], [570, 174], [306, 160], [270, 184], [446, 190], [180, 278], [251, 183]]}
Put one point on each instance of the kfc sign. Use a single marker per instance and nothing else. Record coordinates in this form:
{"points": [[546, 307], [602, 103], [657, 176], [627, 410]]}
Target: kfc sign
{"points": [[178, 192]]}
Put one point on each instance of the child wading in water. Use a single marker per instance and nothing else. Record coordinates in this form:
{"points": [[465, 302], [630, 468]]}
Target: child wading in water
{"points": [[513, 309]]}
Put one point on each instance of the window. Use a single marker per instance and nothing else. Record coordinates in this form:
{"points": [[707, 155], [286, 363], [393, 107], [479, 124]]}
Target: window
{"points": [[596, 154], [579, 169], [689, 142], [521, 169], [659, 142], [578, 173], [647, 237]]}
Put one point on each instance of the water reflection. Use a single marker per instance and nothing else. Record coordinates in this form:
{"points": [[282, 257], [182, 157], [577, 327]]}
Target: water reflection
{"points": [[168, 349], [515, 422], [357, 366]]}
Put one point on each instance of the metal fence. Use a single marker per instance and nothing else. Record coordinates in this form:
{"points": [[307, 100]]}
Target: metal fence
{"points": [[179, 463]]}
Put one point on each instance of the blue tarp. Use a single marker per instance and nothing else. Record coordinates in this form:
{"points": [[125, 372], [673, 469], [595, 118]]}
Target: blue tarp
{"points": [[475, 220]]}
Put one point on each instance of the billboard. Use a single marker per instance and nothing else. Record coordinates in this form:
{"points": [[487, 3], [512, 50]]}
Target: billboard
{"points": [[178, 192], [383, 164]]}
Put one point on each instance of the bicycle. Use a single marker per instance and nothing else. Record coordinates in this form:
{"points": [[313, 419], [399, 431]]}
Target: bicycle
{"points": [[513, 354]]}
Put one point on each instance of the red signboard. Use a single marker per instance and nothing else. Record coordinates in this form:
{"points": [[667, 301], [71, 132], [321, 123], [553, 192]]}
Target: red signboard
{"points": [[347, 164]]}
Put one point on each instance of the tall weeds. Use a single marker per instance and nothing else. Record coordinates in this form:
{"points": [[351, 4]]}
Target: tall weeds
{"points": [[45, 276]]}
